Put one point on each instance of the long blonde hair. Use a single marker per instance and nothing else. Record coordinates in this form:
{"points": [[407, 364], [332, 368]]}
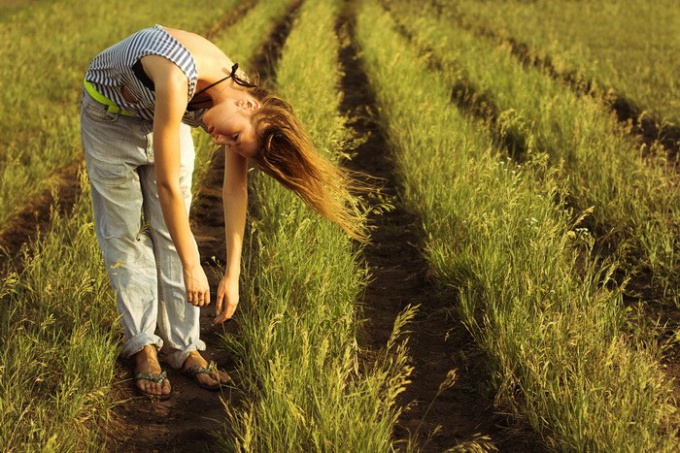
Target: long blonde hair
{"points": [[288, 155]]}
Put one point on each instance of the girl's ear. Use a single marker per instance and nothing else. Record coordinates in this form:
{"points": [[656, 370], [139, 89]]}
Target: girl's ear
{"points": [[252, 104]]}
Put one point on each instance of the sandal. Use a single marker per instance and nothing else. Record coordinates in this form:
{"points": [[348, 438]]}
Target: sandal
{"points": [[150, 377], [211, 371]]}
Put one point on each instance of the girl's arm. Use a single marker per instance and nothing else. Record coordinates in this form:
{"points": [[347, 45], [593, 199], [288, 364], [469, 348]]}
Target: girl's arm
{"points": [[235, 200], [171, 101]]}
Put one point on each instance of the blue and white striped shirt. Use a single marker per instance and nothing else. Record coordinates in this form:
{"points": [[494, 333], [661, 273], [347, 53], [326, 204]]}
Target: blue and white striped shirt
{"points": [[112, 70]]}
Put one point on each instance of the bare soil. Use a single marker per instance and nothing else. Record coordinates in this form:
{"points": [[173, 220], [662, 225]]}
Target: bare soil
{"points": [[188, 421]]}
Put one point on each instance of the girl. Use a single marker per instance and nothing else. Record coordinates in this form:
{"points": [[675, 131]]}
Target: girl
{"points": [[141, 98]]}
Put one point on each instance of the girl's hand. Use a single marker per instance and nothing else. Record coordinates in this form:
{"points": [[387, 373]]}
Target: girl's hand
{"points": [[227, 299], [196, 283]]}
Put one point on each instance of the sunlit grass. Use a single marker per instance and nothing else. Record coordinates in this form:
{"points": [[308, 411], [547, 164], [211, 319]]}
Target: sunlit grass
{"points": [[633, 204], [627, 45], [297, 349], [498, 242], [518, 264], [58, 341]]}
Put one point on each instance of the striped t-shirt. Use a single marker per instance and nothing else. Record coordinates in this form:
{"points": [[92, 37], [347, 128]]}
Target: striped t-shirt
{"points": [[114, 69]]}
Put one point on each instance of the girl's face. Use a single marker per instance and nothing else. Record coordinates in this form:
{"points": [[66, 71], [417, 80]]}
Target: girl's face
{"points": [[229, 123]]}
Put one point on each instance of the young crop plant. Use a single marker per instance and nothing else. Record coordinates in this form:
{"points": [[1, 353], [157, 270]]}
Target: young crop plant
{"points": [[297, 348], [631, 55], [508, 257], [633, 204]]}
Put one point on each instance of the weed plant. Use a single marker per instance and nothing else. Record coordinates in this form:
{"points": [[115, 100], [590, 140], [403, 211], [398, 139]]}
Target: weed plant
{"points": [[515, 263]]}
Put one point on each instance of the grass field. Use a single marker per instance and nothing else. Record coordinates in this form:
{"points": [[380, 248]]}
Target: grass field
{"points": [[550, 228], [623, 45], [10, 7]]}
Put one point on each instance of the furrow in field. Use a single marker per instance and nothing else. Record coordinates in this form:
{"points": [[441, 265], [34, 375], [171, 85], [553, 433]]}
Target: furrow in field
{"points": [[650, 130], [437, 416], [480, 105], [229, 19], [268, 55], [507, 253], [35, 215], [631, 203], [477, 102]]}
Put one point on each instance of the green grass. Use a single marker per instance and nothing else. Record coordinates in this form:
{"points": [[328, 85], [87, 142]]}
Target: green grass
{"points": [[515, 260], [515, 264], [627, 45], [58, 341], [297, 350], [10, 7], [633, 203]]}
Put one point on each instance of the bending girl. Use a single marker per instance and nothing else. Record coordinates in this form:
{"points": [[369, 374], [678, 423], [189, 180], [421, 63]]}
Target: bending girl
{"points": [[142, 96]]}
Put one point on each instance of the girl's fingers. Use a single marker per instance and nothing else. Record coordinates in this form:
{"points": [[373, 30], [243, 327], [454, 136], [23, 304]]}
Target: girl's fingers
{"points": [[199, 299]]}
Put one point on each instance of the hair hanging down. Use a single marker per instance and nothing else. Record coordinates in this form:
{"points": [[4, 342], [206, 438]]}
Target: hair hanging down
{"points": [[289, 156]]}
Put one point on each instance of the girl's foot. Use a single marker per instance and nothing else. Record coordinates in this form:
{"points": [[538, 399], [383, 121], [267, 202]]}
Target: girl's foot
{"points": [[149, 378], [206, 376]]}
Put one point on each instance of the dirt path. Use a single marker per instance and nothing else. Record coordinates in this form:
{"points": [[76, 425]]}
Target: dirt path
{"points": [[188, 421], [185, 423], [439, 343]]}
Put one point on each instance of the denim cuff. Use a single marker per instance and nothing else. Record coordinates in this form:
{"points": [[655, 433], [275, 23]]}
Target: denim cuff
{"points": [[177, 357], [137, 343]]}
